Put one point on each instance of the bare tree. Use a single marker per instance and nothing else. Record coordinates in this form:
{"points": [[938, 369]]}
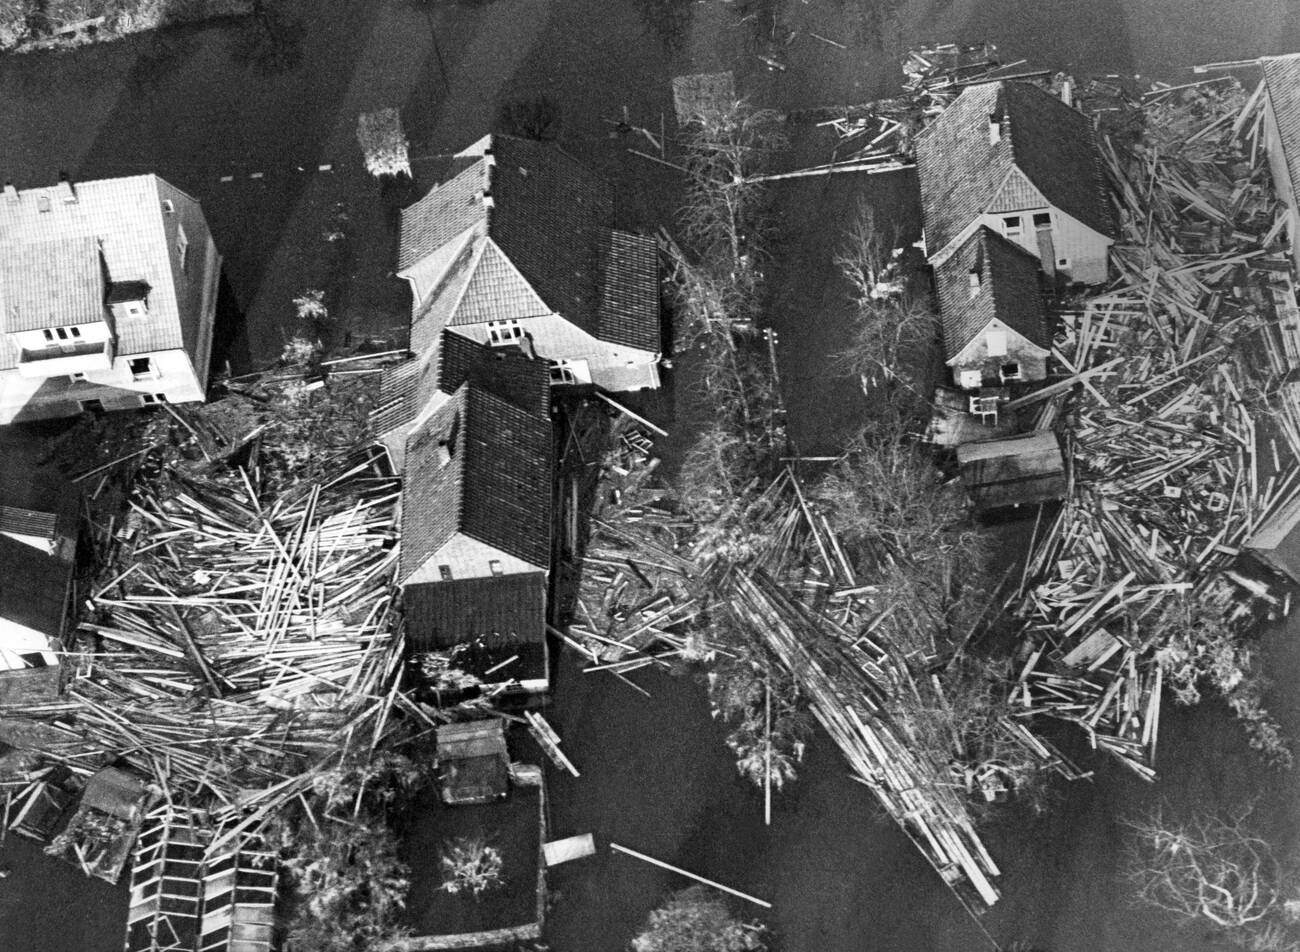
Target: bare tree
{"points": [[695, 920], [896, 333], [1208, 868]]}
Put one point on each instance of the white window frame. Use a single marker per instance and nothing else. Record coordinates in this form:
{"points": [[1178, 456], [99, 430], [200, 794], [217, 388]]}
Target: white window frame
{"points": [[504, 333], [1013, 231], [153, 399]]}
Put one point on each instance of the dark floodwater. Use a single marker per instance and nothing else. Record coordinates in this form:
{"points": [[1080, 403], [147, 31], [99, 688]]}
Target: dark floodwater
{"points": [[199, 104]]}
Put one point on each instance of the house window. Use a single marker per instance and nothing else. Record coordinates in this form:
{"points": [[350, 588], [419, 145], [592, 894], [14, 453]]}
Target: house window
{"points": [[91, 406], [494, 566], [1062, 262], [997, 343], [74, 378], [501, 333], [1011, 226], [167, 206], [134, 309], [151, 398], [444, 572], [1011, 371], [1042, 219], [970, 379], [75, 331], [142, 368], [561, 372], [182, 247], [49, 334]]}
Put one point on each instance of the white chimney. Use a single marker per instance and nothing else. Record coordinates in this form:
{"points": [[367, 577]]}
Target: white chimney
{"points": [[995, 130]]}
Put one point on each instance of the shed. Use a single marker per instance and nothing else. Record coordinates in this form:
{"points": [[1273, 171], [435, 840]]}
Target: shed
{"points": [[1015, 471], [473, 764]]}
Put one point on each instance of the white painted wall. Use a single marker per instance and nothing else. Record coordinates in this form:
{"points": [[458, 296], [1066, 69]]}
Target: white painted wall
{"points": [[1085, 250], [613, 367], [16, 639], [469, 558], [174, 376]]}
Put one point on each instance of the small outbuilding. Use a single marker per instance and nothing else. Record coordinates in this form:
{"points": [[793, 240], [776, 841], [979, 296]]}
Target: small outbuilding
{"points": [[1019, 470]]}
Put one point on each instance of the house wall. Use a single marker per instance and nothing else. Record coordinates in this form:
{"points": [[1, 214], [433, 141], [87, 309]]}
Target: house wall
{"points": [[196, 284], [16, 639], [611, 366], [975, 356], [35, 398], [470, 558], [1084, 250]]}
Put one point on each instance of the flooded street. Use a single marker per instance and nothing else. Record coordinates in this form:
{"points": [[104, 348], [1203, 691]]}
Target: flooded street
{"points": [[193, 106]]}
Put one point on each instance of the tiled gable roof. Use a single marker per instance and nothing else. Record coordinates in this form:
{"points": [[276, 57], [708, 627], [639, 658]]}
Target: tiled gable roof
{"points": [[507, 371], [405, 389], [441, 215], [124, 218], [33, 587], [457, 611], [479, 466], [52, 283], [629, 284], [496, 292], [1282, 83], [551, 247], [960, 170], [1008, 290]]}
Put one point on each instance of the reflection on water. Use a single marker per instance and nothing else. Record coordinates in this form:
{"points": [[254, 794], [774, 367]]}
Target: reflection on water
{"points": [[270, 38], [669, 20]]}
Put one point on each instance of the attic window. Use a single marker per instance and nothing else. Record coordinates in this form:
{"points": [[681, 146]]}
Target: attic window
{"points": [[444, 572], [1043, 220], [503, 333], [168, 207], [142, 368], [494, 566], [1011, 226]]}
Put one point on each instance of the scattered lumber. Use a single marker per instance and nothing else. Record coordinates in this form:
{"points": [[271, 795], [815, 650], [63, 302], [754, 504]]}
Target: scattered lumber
{"points": [[1184, 358]]}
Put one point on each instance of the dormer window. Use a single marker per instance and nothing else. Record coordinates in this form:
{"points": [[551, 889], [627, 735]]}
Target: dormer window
{"points": [[142, 368], [502, 333]]}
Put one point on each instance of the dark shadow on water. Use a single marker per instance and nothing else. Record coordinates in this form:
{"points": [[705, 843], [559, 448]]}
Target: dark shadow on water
{"points": [[669, 21], [270, 38], [229, 335]]}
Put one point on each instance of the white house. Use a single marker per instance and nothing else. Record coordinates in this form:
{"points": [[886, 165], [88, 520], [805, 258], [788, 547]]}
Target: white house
{"points": [[1282, 136], [108, 291], [1011, 157], [520, 246], [991, 304], [37, 554]]}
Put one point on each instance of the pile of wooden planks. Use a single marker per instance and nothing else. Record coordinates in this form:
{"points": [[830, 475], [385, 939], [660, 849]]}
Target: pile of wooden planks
{"points": [[1183, 437], [238, 644]]}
